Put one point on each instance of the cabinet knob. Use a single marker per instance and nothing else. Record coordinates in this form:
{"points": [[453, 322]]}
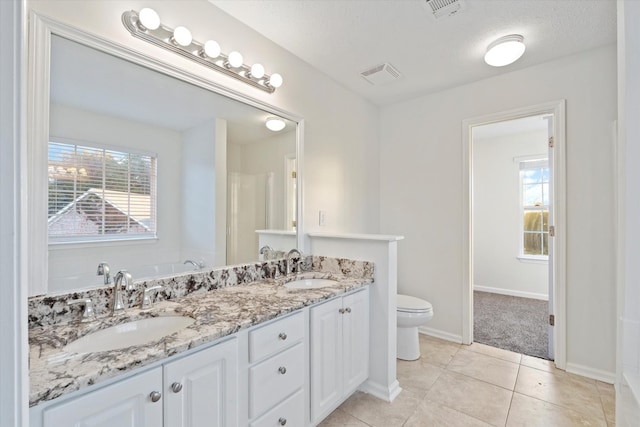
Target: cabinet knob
{"points": [[348, 309], [176, 387], [282, 421], [341, 311], [155, 396], [282, 336], [282, 370]]}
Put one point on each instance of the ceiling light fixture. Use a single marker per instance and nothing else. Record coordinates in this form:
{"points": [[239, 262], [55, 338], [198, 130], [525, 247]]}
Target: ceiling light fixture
{"points": [[146, 25], [275, 124], [504, 51]]}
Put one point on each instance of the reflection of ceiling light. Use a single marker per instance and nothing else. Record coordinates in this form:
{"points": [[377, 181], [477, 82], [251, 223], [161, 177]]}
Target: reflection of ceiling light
{"points": [[504, 51], [275, 124]]}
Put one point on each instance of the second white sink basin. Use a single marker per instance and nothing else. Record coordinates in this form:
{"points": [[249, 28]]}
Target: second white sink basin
{"points": [[309, 283], [128, 334]]}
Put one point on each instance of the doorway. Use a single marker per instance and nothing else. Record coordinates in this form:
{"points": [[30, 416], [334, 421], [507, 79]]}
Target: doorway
{"points": [[510, 241], [514, 224]]}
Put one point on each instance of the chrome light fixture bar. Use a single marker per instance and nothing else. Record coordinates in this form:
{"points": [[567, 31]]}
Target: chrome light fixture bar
{"points": [[146, 26]]}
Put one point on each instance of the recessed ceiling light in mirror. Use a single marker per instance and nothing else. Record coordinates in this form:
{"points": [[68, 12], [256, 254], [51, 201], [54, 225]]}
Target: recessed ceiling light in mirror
{"points": [[504, 51], [275, 124]]}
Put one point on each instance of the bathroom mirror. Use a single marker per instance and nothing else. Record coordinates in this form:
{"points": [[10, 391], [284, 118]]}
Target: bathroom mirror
{"points": [[145, 171]]}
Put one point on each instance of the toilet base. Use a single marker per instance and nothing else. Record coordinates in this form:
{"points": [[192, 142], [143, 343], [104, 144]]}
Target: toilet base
{"points": [[408, 344]]}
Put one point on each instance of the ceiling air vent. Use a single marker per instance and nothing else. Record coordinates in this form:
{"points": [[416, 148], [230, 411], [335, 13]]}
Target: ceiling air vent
{"points": [[443, 8], [381, 74]]}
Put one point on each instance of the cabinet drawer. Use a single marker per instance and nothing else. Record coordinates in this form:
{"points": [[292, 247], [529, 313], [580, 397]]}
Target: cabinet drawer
{"points": [[274, 379], [275, 337], [291, 412]]}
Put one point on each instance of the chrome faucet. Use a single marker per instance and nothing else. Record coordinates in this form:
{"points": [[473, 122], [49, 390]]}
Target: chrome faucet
{"points": [[118, 305], [104, 270], [197, 265], [288, 258], [266, 252]]}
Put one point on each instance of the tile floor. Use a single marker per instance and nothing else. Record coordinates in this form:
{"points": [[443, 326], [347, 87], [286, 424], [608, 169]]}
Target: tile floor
{"points": [[457, 385]]}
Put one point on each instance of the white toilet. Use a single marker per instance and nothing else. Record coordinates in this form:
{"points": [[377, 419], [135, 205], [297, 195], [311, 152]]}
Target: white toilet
{"points": [[412, 312]]}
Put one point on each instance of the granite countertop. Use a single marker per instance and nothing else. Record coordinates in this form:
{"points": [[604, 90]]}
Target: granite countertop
{"points": [[54, 372]]}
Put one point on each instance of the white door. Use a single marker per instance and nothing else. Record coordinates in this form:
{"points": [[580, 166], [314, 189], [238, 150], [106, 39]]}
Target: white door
{"points": [[551, 350], [127, 403], [355, 340], [202, 389], [326, 356]]}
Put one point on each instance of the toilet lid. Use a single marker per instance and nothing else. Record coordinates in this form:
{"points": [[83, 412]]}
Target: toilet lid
{"points": [[409, 303]]}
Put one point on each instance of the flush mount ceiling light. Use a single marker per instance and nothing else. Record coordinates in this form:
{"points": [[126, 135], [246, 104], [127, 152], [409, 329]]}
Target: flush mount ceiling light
{"points": [[146, 25], [275, 124], [504, 51]]}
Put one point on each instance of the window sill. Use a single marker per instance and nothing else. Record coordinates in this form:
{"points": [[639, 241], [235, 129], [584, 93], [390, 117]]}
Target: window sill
{"points": [[533, 259], [102, 243]]}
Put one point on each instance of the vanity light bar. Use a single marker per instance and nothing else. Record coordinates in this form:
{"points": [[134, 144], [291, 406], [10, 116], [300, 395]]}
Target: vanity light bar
{"points": [[179, 41]]}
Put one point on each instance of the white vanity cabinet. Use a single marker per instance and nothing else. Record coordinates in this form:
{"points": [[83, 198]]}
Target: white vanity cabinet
{"points": [[339, 341], [196, 390], [277, 372]]}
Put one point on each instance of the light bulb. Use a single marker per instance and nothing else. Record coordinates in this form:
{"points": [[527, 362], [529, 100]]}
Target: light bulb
{"points": [[275, 124], [182, 36], [235, 59], [149, 19], [257, 71], [504, 51], [275, 80], [212, 49]]}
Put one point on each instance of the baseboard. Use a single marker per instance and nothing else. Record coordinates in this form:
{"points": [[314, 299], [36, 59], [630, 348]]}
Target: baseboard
{"points": [[440, 334], [511, 292], [596, 374], [388, 394]]}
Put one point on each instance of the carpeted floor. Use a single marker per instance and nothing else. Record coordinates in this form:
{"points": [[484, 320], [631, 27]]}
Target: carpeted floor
{"points": [[511, 323]]}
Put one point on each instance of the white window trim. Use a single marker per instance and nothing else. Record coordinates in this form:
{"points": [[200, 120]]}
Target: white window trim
{"points": [[521, 255]]}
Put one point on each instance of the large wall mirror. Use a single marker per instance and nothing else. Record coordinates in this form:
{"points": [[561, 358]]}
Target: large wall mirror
{"points": [[145, 167]]}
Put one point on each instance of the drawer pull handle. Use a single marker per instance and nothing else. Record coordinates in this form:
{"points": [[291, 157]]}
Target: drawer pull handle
{"points": [[341, 311], [155, 396], [282, 370], [176, 387], [282, 336], [282, 421], [348, 309]]}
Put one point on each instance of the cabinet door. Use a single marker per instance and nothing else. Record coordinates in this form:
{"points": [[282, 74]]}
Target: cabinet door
{"points": [[201, 389], [326, 356], [124, 404], [355, 340]]}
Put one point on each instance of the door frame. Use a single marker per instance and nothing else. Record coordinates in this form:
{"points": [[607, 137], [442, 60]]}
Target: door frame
{"points": [[558, 270]]}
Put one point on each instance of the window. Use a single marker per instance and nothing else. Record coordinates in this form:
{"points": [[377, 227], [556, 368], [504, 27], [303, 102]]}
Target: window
{"points": [[534, 190], [100, 194]]}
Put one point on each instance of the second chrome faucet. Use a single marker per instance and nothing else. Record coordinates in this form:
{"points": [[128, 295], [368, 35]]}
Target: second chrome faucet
{"points": [[118, 288]]}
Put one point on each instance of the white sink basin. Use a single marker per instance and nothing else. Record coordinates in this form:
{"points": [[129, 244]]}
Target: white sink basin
{"points": [[309, 283], [124, 335]]}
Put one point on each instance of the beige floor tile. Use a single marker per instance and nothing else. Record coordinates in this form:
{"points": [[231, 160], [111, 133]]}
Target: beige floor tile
{"points": [[436, 351], [537, 363], [417, 376], [609, 407], [507, 355], [530, 412], [605, 388], [339, 418], [486, 368], [569, 391], [432, 414], [378, 413], [473, 397]]}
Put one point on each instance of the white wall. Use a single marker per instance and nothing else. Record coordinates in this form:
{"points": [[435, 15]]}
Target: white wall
{"points": [[117, 133], [497, 217], [421, 181], [628, 381]]}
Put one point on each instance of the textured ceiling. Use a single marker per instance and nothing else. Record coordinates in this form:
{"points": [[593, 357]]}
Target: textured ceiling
{"points": [[345, 37]]}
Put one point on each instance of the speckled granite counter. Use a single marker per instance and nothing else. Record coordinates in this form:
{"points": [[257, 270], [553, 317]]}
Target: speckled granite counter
{"points": [[217, 313]]}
